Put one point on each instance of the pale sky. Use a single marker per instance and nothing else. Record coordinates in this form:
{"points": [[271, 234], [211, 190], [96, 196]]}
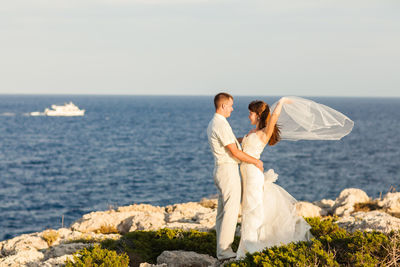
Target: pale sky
{"points": [[200, 47]]}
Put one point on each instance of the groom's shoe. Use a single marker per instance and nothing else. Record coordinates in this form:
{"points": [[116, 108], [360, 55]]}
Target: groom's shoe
{"points": [[226, 255]]}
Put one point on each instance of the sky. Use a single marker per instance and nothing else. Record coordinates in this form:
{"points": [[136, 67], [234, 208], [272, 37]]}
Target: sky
{"points": [[200, 47]]}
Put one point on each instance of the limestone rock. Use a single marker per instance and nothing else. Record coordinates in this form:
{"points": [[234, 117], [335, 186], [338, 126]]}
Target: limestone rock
{"points": [[67, 235], [64, 249], [307, 209], [141, 207], [207, 219], [145, 264], [344, 204], [120, 220], [23, 242], [142, 221], [325, 204], [369, 221], [22, 258], [391, 202], [179, 258], [56, 262], [53, 262], [186, 212], [209, 203]]}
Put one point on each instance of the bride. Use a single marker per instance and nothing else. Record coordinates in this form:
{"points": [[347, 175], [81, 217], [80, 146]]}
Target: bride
{"points": [[268, 212]]}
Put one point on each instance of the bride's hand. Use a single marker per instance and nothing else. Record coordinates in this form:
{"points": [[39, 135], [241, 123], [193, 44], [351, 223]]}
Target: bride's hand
{"points": [[286, 100]]}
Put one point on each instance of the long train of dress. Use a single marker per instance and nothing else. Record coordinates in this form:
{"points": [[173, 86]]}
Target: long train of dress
{"points": [[269, 215]]}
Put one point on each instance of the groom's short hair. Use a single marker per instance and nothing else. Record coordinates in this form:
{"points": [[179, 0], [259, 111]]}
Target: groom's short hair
{"points": [[220, 98]]}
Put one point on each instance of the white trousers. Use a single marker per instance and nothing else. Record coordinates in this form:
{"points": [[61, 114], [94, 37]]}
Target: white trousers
{"points": [[227, 180]]}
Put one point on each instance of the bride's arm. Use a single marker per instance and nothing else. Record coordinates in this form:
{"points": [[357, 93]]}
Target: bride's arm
{"points": [[268, 130]]}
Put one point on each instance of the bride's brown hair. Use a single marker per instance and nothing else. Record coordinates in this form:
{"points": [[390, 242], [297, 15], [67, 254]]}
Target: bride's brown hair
{"points": [[262, 110]]}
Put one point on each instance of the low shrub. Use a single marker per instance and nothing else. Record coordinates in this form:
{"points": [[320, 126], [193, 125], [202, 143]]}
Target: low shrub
{"points": [[107, 229], [146, 246], [50, 236], [96, 256], [293, 254], [331, 246]]}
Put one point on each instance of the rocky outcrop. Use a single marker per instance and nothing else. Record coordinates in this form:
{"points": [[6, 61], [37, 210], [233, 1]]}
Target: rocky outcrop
{"points": [[179, 258], [54, 247], [326, 205], [391, 202], [369, 221], [344, 204], [125, 219], [307, 209]]}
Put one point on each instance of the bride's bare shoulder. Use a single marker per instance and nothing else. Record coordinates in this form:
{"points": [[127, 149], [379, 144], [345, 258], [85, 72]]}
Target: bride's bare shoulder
{"points": [[252, 131], [262, 136]]}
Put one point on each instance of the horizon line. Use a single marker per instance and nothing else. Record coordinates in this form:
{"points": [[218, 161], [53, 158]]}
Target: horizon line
{"points": [[183, 95]]}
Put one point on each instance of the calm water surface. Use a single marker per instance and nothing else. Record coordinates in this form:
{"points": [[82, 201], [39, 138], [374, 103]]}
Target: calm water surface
{"points": [[142, 149]]}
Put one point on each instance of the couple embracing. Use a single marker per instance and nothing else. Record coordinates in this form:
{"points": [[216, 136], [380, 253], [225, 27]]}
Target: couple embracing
{"points": [[268, 212]]}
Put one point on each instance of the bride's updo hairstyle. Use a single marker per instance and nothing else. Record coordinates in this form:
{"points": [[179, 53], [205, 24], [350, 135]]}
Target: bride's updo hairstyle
{"points": [[262, 110]]}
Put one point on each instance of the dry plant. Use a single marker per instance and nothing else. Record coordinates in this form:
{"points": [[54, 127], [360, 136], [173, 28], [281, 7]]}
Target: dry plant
{"points": [[107, 229], [367, 206], [50, 236], [393, 251]]}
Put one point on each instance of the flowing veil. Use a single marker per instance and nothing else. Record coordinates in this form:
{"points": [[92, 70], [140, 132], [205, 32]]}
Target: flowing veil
{"points": [[307, 120]]}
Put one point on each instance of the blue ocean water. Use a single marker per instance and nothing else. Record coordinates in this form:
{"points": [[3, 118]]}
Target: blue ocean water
{"points": [[153, 149]]}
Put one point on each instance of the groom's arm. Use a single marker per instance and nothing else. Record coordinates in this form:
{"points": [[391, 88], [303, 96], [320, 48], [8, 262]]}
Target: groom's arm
{"points": [[242, 156]]}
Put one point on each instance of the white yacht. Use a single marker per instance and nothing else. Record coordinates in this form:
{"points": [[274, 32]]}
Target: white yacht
{"points": [[69, 109]]}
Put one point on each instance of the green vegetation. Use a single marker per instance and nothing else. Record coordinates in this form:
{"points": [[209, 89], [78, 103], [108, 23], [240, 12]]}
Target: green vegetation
{"points": [[146, 246], [331, 246], [96, 256]]}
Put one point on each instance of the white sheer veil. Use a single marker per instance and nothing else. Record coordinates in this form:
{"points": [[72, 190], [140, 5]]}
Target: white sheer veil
{"points": [[307, 120]]}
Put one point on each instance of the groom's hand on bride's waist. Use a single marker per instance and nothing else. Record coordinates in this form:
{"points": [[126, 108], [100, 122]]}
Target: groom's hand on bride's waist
{"points": [[243, 157], [260, 165]]}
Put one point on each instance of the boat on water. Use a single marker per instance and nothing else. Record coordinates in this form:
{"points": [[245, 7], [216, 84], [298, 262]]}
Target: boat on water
{"points": [[68, 109]]}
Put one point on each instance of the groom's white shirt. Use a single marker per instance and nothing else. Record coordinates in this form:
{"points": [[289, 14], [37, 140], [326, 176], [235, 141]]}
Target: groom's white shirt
{"points": [[220, 135]]}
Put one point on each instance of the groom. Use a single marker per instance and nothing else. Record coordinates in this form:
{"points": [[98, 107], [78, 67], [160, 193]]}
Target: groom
{"points": [[227, 154]]}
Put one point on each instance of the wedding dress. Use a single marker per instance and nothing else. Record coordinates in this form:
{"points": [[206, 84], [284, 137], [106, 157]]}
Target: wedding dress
{"points": [[268, 212]]}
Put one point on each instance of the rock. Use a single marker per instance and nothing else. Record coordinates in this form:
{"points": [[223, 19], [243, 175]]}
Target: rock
{"points": [[143, 220], [207, 219], [59, 261], [369, 221], [391, 202], [23, 242], [67, 235], [22, 258], [141, 207], [53, 262], [64, 249], [325, 204], [145, 264], [179, 258], [186, 212], [307, 209], [344, 204], [209, 203]]}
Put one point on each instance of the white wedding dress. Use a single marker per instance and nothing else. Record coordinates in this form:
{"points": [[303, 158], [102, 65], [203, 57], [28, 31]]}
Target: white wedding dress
{"points": [[268, 212]]}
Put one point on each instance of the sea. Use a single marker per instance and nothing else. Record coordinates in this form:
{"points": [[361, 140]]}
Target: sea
{"points": [[154, 149]]}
